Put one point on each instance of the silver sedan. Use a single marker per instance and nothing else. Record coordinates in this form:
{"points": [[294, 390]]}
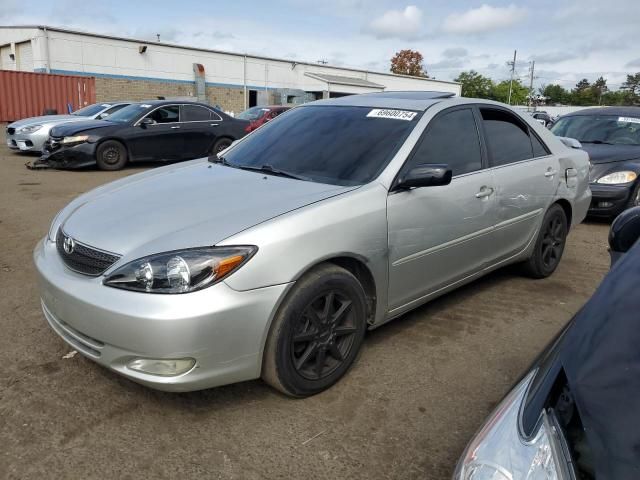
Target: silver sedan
{"points": [[273, 258], [29, 134]]}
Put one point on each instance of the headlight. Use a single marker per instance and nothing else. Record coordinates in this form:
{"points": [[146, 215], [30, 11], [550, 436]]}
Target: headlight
{"points": [[498, 452], [180, 271], [618, 177], [74, 139], [30, 128]]}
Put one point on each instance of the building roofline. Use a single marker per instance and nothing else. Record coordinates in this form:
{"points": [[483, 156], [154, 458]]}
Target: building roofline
{"points": [[223, 52]]}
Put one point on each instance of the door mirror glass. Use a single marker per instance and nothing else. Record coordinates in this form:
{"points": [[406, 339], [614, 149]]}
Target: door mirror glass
{"points": [[425, 175], [624, 232]]}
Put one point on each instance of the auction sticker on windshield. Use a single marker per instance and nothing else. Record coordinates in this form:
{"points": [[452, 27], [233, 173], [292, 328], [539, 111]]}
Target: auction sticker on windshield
{"points": [[393, 114], [629, 119]]}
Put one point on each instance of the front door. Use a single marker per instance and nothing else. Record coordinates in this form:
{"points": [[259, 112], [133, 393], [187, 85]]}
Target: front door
{"points": [[161, 140], [527, 177], [441, 235]]}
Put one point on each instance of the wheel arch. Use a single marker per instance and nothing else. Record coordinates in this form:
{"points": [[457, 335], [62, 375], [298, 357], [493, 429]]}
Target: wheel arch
{"points": [[114, 139], [566, 206]]}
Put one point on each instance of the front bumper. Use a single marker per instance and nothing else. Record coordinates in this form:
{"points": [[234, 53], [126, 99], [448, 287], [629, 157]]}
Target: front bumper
{"points": [[72, 156], [27, 142], [224, 330], [609, 200]]}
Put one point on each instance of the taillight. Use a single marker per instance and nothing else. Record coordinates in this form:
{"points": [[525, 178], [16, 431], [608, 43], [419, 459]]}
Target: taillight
{"points": [[251, 127]]}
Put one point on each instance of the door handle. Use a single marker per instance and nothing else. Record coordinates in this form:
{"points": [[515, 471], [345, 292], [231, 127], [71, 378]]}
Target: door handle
{"points": [[215, 124], [550, 173], [484, 192], [174, 128]]}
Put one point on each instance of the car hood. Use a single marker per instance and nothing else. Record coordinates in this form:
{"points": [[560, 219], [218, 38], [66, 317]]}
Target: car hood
{"points": [[193, 204], [599, 153], [67, 129], [45, 119]]}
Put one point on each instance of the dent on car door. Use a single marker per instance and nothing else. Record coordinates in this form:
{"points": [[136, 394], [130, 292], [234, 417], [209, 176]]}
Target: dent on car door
{"points": [[439, 235], [526, 177]]}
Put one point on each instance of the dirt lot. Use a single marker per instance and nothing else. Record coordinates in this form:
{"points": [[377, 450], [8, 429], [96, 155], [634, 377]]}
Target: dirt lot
{"points": [[420, 389]]}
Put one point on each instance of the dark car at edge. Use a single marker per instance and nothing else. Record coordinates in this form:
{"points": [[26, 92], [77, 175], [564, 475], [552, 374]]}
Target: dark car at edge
{"points": [[611, 137], [160, 130]]}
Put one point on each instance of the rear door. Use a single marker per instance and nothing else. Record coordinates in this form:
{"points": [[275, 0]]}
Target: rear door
{"points": [[161, 140], [199, 127], [440, 235], [526, 178]]}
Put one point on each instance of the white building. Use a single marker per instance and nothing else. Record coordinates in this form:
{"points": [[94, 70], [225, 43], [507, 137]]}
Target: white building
{"points": [[127, 68]]}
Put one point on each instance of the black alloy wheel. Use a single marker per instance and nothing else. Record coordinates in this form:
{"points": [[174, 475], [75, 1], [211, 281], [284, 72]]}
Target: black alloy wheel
{"points": [[111, 155], [550, 244], [317, 332], [220, 145]]}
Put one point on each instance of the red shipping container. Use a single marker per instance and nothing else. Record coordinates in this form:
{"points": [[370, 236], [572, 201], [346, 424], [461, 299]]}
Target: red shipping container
{"points": [[29, 94]]}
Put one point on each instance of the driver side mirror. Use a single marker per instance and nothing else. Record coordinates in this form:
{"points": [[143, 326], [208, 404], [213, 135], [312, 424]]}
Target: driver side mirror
{"points": [[425, 175], [146, 121], [624, 232], [102, 116]]}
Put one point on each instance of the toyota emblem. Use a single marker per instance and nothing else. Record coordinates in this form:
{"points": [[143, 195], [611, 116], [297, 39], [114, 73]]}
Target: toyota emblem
{"points": [[68, 245]]}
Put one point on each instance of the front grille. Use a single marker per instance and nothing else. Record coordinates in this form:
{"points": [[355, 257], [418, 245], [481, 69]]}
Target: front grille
{"points": [[52, 144], [11, 130], [82, 258]]}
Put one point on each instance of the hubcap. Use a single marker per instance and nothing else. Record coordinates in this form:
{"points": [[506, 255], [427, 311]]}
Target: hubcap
{"points": [[553, 242], [222, 146], [111, 155], [323, 335]]}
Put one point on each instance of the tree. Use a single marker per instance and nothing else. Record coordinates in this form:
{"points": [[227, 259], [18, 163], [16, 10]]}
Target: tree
{"points": [[408, 62], [555, 94], [474, 85], [500, 92], [631, 89], [598, 89], [582, 94]]}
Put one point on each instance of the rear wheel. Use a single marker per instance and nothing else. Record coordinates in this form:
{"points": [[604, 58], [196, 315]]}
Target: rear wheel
{"points": [[111, 155], [220, 145], [317, 333], [549, 244]]}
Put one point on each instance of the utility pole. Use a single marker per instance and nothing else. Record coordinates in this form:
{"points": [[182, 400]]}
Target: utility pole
{"points": [[531, 68], [513, 71]]}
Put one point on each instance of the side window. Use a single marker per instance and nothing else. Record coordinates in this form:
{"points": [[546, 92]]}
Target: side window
{"points": [[110, 111], [539, 149], [507, 137], [168, 114], [451, 138], [195, 113]]}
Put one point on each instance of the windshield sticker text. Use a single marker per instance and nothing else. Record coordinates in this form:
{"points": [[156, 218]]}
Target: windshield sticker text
{"points": [[629, 119], [393, 114]]}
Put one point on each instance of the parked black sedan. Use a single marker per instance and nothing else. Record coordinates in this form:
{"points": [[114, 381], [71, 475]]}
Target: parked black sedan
{"points": [[156, 130], [575, 414], [611, 137]]}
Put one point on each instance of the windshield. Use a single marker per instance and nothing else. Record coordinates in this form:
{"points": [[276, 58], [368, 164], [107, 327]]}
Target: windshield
{"points": [[129, 114], [612, 129], [91, 110], [253, 113], [327, 144]]}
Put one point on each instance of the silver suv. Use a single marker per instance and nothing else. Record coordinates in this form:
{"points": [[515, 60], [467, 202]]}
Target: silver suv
{"points": [[273, 258]]}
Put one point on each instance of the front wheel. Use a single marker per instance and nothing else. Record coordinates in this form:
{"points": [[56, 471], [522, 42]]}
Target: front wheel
{"points": [[317, 332], [550, 243], [111, 155]]}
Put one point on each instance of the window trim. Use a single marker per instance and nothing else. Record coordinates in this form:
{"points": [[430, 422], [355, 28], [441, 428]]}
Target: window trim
{"points": [[220, 119], [158, 108], [483, 158], [523, 123]]}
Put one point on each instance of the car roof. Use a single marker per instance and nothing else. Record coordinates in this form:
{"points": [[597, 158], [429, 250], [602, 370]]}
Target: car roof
{"points": [[156, 103], [618, 111], [405, 100]]}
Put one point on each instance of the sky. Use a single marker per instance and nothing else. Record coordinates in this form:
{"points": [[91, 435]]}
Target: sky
{"points": [[567, 39]]}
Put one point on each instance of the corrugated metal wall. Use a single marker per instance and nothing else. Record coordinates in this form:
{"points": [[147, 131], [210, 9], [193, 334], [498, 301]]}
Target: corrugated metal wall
{"points": [[27, 94]]}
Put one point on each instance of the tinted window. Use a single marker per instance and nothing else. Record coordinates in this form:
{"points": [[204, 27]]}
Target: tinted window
{"points": [[130, 113], [168, 114], [195, 113], [539, 150], [254, 113], [326, 144], [453, 139], [600, 129], [507, 137]]}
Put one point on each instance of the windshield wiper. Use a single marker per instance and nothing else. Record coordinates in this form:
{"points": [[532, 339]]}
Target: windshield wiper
{"points": [[597, 142], [268, 169]]}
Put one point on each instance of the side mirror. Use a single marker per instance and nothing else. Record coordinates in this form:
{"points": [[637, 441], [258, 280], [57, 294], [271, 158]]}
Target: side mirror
{"points": [[102, 116], [624, 232], [146, 121], [570, 142], [425, 175]]}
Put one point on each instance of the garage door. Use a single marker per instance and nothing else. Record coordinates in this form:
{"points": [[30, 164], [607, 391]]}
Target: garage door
{"points": [[24, 57]]}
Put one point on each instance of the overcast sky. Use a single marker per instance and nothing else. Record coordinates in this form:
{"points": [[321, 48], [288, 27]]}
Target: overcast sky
{"points": [[568, 39]]}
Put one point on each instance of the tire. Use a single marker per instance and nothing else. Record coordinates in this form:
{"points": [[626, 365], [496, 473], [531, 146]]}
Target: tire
{"points": [[550, 244], [307, 350], [111, 155], [634, 198], [220, 145]]}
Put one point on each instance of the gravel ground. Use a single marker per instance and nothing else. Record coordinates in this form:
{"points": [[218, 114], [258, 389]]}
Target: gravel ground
{"points": [[421, 387]]}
